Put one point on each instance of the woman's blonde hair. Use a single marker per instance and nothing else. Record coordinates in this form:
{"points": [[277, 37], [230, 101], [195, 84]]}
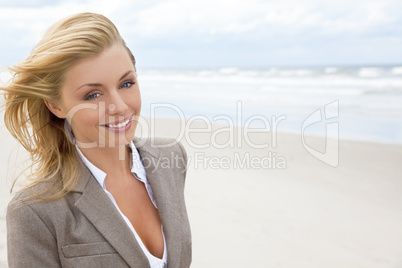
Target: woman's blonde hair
{"points": [[40, 77]]}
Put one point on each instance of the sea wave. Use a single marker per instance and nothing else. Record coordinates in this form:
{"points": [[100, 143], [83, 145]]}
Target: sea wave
{"points": [[397, 70], [370, 72], [282, 80]]}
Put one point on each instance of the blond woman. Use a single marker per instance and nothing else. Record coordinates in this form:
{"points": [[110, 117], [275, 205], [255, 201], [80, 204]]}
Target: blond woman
{"points": [[96, 197]]}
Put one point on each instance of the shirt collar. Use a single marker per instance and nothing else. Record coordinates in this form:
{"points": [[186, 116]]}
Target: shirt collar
{"points": [[96, 172], [137, 168]]}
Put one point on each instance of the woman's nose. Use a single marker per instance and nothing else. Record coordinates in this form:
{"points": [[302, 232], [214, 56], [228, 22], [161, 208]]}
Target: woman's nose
{"points": [[117, 105]]}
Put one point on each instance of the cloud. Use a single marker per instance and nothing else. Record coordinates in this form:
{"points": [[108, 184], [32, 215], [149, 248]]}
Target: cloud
{"points": [[212, 16], [222, 27]]}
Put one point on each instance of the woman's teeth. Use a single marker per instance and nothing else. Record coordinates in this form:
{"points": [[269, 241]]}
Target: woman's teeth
{"points": [[119, 125]]}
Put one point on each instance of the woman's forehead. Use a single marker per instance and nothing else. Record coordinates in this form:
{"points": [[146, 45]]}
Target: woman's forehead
{"points": [[110, 63]]}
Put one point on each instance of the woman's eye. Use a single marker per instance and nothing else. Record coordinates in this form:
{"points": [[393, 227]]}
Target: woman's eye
{"points": [[92, 96], [127, 84]]}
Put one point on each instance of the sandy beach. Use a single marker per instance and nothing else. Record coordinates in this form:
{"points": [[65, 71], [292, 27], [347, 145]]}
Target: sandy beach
{"points": [[278, 206]]}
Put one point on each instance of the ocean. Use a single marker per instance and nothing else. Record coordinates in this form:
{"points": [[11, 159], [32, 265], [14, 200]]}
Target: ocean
{"points": [[365, 102]]}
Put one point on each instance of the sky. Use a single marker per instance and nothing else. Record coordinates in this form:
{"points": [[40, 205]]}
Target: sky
{"points": [[225, 33]]}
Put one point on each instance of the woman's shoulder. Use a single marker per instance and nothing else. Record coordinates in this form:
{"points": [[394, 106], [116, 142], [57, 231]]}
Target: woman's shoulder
{"points": [[31, 190], [157, 141], [35, 196]]}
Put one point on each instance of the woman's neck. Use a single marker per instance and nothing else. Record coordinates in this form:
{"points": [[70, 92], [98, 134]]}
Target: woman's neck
{"points": [[111, 160]]}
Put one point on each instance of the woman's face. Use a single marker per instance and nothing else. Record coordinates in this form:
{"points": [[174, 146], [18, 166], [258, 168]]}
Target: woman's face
{"points": [[101, 99]]}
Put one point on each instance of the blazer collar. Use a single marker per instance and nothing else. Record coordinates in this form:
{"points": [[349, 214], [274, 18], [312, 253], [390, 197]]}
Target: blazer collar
{"points": [[145, 146], [166, 195], [97, 207], [100, 211]]}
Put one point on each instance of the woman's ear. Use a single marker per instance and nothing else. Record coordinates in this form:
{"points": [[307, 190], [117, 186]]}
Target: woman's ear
{"points": [[55, 109]]}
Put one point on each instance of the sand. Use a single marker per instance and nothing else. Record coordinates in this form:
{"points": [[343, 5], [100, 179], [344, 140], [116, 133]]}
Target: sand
{"points": [[279, 206]]}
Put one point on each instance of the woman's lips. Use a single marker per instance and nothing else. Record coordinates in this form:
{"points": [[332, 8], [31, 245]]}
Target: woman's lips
{"points": [[119, 127]]}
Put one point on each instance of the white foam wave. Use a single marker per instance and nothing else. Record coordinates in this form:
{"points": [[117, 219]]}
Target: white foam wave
{"points": [[295, 72], [214, 79], [315, 91], [204, 73], [249, 73], [397, 70], [369, 72], [229, 70]]}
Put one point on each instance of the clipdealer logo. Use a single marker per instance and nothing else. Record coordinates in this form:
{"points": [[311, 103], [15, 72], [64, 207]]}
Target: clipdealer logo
{"points": [[329, 115]]}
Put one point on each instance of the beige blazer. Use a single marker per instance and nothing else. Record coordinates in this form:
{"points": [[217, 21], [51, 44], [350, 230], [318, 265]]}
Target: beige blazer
{"points": [[84, 229]]}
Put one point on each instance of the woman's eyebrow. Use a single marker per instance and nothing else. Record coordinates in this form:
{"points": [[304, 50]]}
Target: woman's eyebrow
{"points": [[125, 74], [90, 85], [99, 85]]}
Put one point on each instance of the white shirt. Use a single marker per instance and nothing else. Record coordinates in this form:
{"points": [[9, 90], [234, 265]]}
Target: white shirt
{"points": [[138, 171]]}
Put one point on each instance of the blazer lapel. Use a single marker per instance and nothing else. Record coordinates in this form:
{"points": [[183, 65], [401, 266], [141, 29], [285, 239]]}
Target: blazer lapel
{"points": [[166, 197], [100, 211]]}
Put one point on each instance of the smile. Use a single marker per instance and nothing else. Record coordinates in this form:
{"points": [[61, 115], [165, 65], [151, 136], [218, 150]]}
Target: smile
{"points": [[120, 125]]}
